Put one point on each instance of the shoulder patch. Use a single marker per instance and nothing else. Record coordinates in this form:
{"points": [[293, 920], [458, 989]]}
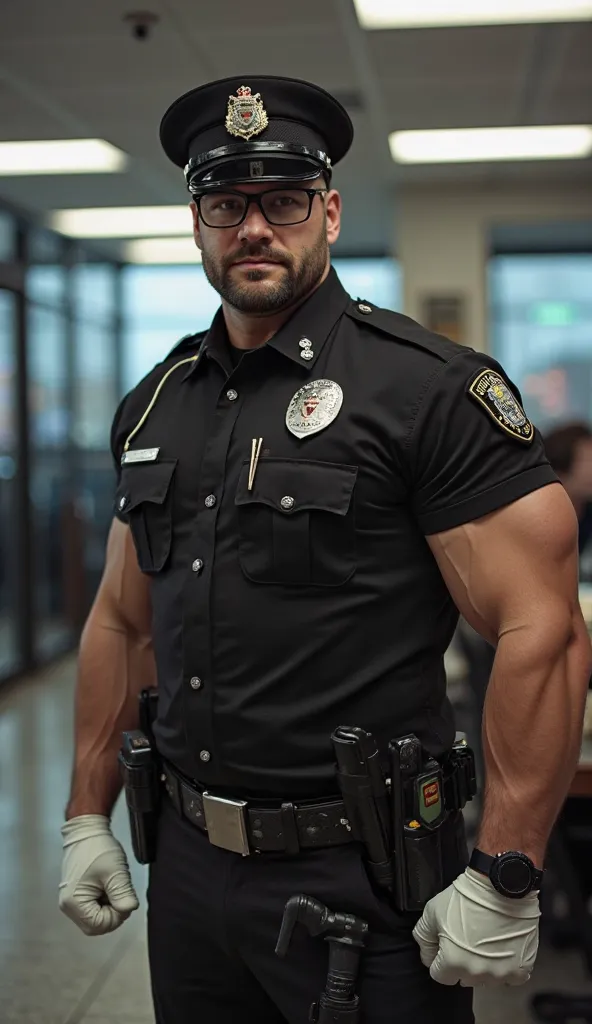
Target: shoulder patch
{"points": [[493, 394], [403, 328]]}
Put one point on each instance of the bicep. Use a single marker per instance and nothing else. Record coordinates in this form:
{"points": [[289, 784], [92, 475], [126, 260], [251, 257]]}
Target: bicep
{"points": [[123, 599], [515, 566]]}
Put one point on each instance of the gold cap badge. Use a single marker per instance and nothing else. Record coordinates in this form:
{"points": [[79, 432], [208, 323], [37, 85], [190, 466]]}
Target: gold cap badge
{"points": [[246, 116]]}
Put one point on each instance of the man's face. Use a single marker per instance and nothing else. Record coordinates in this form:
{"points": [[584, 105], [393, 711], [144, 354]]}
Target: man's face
{"points": [[580, 474], [262, 268]]}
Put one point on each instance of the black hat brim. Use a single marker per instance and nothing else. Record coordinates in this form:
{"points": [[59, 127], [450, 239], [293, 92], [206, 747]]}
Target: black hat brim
{"points": [[202, 110]]}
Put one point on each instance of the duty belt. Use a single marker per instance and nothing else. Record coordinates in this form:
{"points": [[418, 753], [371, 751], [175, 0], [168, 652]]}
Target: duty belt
{"points": [[235, 825], [288, 828]]}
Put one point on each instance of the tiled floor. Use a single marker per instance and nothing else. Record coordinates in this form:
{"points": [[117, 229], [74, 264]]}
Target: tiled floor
{"points": [[49, 972]]}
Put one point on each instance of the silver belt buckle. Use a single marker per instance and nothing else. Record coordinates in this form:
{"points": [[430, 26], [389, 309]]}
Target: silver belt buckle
{"points": [[226, 822]]}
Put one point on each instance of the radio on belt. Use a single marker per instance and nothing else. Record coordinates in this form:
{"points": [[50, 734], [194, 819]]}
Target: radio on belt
{"points": [[418, 811]]}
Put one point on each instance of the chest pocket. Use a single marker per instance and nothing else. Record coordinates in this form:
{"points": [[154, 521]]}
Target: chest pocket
{"points": [[145, 496], [297, 524]]}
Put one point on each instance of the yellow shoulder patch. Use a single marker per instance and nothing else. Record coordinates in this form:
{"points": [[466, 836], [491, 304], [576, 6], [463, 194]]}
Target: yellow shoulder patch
{"points": [[491, 391]]}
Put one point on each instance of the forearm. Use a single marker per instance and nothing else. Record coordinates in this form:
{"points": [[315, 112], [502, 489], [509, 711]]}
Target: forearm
{"points": [[532, 729], [115, 664]]}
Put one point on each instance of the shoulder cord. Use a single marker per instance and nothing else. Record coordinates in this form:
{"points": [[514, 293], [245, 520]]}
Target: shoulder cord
{"points": [[141, 422]]}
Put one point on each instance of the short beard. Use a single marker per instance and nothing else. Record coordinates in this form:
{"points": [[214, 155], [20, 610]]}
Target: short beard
{"points": [[296, 283]]}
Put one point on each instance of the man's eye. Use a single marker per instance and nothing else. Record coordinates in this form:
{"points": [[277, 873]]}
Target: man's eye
{"points": [[284, 201], [227, 205]]}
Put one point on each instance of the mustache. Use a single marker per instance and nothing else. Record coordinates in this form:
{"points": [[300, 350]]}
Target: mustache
{"points": [[258, 252]]}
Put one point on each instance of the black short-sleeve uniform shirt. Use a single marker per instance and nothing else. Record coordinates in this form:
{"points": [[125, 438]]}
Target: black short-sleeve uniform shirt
{"points": [[305, 596]]}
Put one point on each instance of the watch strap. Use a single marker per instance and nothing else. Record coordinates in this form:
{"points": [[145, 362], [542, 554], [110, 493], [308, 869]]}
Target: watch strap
{"points": [[483, 863]]}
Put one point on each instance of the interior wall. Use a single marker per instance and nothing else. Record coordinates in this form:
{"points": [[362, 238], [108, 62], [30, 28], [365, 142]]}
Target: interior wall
{"points": [[443, 232]]}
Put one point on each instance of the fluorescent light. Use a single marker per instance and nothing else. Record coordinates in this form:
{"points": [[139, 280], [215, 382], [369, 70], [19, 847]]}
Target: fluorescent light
{"points": [[376, 14], [162, 250], [463, 145], [122, 221], [66, 156]]}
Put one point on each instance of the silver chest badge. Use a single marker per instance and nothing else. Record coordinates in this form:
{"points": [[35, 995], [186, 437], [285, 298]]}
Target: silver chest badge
{"points": [[314, 407]]}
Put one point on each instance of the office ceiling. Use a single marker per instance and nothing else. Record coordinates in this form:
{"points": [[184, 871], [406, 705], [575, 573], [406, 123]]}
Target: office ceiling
{"points": [[73, 69]]}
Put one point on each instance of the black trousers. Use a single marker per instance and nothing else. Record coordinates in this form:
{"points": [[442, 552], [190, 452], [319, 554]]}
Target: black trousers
{"points": [[214, 919]]}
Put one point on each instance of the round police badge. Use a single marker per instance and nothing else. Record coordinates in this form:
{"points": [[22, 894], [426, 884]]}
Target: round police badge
{"points": [[493, 394], [314, 407]]}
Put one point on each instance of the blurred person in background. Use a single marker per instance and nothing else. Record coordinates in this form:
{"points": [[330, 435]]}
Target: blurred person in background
{"points": [[569, 450]]}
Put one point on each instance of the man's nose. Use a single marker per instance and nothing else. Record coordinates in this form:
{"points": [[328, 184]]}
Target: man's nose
{"points": [[254, 228]]}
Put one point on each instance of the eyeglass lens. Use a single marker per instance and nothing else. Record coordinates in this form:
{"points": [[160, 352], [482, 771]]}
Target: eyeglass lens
{"points": [[280, 206]]}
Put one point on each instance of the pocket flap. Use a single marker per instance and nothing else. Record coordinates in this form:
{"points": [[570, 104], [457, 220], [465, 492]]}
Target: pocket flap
{"points": [[141, 482], [293, 485]]}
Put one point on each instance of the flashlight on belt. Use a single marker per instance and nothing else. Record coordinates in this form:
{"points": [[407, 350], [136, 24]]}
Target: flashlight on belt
{"points": [[365, 797]]}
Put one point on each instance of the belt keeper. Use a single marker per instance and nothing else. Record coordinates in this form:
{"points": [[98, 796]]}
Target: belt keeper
{"points": [[290, 831]]}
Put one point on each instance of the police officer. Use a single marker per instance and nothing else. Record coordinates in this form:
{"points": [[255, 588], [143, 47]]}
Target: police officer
{"points": [[307, 493]]}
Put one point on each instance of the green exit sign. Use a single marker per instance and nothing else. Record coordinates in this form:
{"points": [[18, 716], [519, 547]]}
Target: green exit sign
{"points": [[553, 314]]}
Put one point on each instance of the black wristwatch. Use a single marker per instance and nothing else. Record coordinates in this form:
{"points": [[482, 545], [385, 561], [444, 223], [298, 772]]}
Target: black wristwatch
{"points": [[513, 874]]}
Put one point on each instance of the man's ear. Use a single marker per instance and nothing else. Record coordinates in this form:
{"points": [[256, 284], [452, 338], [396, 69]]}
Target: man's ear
{"points": [[333, 212]]}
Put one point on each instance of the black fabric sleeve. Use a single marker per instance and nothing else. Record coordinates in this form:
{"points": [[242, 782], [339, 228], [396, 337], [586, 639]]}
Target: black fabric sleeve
{"points": [[463, 462]]}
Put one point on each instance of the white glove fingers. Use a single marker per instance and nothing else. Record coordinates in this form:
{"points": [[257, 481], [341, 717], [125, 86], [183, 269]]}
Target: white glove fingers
{"points": [[104, 920], [426, 936], [443, 971], [121, 893]]}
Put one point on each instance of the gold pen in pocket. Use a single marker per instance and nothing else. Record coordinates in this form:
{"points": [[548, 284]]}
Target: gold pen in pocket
{"points": [[255, 452]]}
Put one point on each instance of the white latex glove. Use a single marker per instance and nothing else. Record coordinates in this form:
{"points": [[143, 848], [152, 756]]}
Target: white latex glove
{"points": [[471, 934], [96, 890]]}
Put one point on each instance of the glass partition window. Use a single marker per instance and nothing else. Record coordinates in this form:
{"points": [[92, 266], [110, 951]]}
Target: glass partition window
{"points": [[9, 658], [95, 399], [46, 275], [161, 304], [50, 487], [7, 237], [542, 332], [93, 290]]}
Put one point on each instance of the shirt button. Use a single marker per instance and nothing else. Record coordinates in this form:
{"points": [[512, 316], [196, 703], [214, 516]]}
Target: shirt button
{"points": [[197, 566], [232, 395], [204, 755], [210, 501], [364, 308], [195, 683], [287, 502], [122, 503]]}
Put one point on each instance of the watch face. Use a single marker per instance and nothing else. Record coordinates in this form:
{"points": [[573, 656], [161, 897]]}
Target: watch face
{"points": [[514, 874]]}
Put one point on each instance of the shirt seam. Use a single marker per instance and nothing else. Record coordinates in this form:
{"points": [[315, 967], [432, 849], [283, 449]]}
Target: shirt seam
{"points": [[426, 387]]}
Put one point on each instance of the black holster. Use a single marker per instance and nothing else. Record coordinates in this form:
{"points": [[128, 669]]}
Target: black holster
{"points": [[140, 772], [399, 820]]}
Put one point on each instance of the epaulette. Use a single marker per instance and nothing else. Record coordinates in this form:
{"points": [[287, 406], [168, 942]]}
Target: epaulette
{"points": [[190, 342], [404, 328]]}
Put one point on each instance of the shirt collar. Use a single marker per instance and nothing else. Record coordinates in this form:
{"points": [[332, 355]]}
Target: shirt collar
{"points": [[312, 322]]}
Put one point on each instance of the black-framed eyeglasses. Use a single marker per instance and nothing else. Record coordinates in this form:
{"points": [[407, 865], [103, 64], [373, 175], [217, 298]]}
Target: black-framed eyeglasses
{"points": [[280, 206]]}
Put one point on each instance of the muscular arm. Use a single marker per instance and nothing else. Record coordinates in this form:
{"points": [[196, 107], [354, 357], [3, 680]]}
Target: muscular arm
{"points": [[116, 662], [513, 575]]}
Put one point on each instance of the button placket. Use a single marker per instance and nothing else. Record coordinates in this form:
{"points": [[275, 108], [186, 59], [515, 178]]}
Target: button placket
{"points": [[200, 689]]}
